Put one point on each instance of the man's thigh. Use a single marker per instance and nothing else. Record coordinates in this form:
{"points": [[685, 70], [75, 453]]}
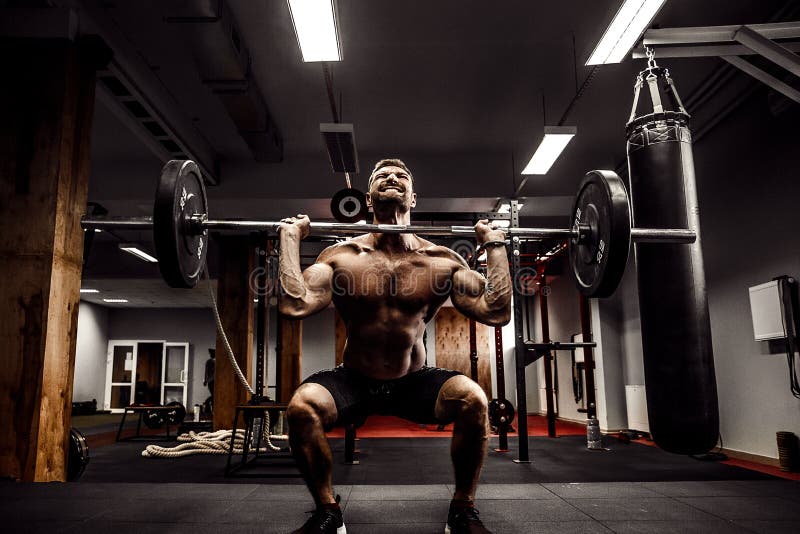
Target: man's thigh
{"points": [[415, 398], [347, 391]]}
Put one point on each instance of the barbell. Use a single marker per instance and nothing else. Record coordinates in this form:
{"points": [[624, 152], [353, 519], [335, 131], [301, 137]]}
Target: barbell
{"points": [[599, 238]]}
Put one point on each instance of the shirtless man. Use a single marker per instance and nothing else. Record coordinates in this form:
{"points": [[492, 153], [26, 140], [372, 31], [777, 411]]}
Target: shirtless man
{"points": [[386, 288]]}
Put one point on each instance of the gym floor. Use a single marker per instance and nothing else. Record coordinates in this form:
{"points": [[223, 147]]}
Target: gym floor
{"points": [[403, 484]]}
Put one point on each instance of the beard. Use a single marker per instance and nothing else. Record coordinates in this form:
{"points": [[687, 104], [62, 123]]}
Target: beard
{"points": [[382, 201]]}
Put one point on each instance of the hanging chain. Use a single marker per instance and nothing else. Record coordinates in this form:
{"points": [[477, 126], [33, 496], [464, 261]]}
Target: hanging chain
{"points": [[651, 58]]}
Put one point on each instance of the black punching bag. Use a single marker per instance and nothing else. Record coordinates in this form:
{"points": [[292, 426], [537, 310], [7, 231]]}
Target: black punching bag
{"points": [[676, 331]]}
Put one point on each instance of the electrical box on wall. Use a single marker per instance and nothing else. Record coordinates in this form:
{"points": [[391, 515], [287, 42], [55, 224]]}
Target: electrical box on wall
{"points": [[767, 311]]}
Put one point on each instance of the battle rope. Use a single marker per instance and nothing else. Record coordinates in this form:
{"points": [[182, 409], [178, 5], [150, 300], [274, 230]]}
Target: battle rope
{"points": [[213, 443]]}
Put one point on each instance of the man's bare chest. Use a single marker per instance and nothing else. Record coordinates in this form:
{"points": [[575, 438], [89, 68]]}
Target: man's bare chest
{"points": [[400, 276]]}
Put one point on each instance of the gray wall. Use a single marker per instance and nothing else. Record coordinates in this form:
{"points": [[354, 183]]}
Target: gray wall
{"points": [[749, 188], [564, 322], [90, 354], [631, 325]]}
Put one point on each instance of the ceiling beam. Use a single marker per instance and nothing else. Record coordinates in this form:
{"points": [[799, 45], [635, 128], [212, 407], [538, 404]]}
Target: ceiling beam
{"points": [[764, 77]]}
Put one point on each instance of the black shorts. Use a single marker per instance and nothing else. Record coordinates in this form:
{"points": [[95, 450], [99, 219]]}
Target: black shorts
{"points": [[411, 397]]}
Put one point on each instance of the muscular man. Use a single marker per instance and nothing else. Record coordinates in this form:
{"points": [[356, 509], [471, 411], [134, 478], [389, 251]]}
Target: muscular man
{"points": [[386, 288]]}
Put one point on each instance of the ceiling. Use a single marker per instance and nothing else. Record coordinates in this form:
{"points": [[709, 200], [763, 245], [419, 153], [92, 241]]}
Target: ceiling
{"points": [[459, 89]]}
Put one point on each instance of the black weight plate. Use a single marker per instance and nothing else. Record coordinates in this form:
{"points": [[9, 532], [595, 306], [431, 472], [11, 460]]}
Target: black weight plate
{"points": [[349, 205], [176, 416], [153, 419], [501, 412], [78, 455], [180, 195], [598, 261]]}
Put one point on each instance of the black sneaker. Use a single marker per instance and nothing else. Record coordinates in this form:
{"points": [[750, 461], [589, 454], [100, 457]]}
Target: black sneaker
{"points": [[323, 521], [464, 521]]}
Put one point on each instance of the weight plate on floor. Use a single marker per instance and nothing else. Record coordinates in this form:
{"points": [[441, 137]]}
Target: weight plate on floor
{"points": [[181, 251], [349, 205], [153, 419], [176, 416], [77, 456], [598, 259]]}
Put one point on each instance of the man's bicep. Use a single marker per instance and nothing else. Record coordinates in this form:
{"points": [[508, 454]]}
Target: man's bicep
{"points": [[468, 287], [318, 279]]}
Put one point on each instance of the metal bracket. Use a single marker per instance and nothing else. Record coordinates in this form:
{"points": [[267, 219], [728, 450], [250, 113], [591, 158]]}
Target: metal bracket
{"points": [[730, 43]]}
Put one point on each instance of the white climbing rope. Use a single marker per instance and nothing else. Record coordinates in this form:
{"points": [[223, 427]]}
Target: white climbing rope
{"points": [[228, 349]]}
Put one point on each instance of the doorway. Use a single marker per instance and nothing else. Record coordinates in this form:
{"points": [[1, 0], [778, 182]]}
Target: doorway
{"points": [[145, 372]]}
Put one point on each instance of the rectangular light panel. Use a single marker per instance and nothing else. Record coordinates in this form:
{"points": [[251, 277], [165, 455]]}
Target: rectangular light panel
{"points": [[628, 25], [556, 138], [315, 27], [139, 253]]}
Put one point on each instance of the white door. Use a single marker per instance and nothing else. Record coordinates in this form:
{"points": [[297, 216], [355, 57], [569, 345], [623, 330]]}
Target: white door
{"points": [[174, 373], [120, 376]]}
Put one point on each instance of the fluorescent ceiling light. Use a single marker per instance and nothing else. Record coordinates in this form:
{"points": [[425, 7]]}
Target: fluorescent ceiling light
{"points": [[623, 32], [115, 301], [136, 251], [502, 223], [315, 27], [89, 290], [555, 140]]}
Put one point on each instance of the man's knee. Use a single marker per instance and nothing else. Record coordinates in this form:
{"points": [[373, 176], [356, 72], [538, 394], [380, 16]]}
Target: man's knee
{"points": [[461, 397], [311, 403]]}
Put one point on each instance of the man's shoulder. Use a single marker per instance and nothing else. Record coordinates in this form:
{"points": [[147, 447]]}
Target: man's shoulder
{"points": [[343, 247], [441, 251]]}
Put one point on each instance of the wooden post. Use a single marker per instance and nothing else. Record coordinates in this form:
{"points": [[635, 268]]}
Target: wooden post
{"points": [[291, 356], [46, 105], [235, 303], [453, 350]]}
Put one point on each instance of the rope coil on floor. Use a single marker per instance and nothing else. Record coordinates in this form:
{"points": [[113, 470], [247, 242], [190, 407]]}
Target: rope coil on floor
{"points": [[213, 443], [217, 442]]}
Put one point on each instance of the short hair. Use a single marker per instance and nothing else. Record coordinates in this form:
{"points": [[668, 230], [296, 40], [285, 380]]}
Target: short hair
{"points": [[389, 162]]}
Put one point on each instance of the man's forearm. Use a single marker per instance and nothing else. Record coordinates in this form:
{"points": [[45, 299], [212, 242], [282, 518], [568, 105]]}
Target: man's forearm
{"points": [[498, 281], [289, 272]]}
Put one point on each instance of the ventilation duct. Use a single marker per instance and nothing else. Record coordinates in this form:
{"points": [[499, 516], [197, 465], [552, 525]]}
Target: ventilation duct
{"points": [[223, 62]]}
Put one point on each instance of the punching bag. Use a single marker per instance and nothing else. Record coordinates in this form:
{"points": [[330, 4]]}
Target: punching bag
{"points": [[676, 332]]}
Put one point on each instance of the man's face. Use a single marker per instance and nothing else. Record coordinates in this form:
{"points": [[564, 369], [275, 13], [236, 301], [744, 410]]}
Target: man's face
{"points": [[392, 184]]}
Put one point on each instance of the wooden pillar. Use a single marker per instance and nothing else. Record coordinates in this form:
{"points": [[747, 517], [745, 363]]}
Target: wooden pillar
{"points": [[46, 105], [235, 303], [453, 350], [290, 357], [341, 337]]}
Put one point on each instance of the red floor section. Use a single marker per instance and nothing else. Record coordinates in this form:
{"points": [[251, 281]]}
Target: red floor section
{"points": [[385, 426]]}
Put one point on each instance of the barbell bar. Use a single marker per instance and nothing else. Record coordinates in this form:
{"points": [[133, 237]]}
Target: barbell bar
{"points": [[198, 224], [599, 237]]}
